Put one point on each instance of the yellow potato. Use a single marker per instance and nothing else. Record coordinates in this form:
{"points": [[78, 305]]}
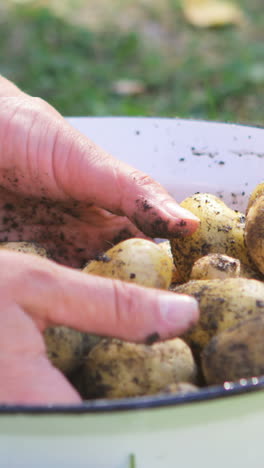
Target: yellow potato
{"points": [[166, 247], [220, 266], [222, 303], [66, 347], [25, 247], [221, 230], [117, 369], [215, 266], [135, 260], [236, 353], [247, 272], [181, 388], [254, 232], [257, 192]]}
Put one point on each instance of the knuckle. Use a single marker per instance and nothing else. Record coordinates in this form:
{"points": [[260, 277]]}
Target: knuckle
{"points": [[16, 112], [124, 303], [131, 313], [43, 107], [39, 105], [142, 180], [26, 105]]}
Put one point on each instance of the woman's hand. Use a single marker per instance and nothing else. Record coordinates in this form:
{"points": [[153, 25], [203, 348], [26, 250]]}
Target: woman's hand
{"points": [[61, 190]]}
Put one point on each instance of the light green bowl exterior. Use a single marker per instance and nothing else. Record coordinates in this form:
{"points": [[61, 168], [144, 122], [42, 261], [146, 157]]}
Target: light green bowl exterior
{"points": [[226, 432]]}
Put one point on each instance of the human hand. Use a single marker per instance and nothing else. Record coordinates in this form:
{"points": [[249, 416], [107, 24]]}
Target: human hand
{"points": [[37, 293], [61, 190]]}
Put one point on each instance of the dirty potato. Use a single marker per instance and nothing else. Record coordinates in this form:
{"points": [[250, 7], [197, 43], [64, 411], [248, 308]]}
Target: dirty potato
{"points": [[117, 369], [220, 266], [255, 194], [254, 232], [66, 347], [25, 247], [181, 388], [135, 260], [221, 230], [215, 266], [222, 303], [166, 247], [236, 353]]}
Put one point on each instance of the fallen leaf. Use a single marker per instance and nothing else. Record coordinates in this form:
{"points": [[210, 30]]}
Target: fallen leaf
{"points": [[128, 87], [212, 13]]}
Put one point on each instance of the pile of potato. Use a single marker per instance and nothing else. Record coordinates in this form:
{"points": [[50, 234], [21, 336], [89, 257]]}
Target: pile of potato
{"points": [[222, 266]]}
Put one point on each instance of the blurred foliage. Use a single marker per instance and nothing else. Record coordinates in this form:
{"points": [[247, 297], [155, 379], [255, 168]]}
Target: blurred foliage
{"points": [[210, 74]]}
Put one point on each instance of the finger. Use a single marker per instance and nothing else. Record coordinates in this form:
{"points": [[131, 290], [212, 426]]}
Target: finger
{"points": [[33, 380], [8, 89], [60, 295], [27, 374], [41, 154]]}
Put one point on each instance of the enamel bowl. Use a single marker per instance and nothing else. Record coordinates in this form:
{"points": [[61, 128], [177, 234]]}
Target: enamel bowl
{"points": [[217, 427]]}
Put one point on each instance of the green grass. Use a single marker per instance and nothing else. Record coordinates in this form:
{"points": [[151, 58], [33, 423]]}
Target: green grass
{"points": [[211, 74]]}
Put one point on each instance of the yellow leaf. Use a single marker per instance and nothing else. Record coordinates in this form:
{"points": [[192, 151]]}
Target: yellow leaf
{"points": [[128, 87], [211, 13]]}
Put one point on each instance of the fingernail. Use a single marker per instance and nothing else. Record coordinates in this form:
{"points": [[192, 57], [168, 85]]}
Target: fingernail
{"points": [[179, 311], [176, 210]]}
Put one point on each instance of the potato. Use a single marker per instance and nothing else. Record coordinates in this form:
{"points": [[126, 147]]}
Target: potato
{"points": [[117, 369], [181, 388], [221, 230], [257, 192], [247, 272], [220, 266], [25, 247], [236, 353], [166, 247], [135, 260], [76, 378], [66, 347], [215, 266], [223, 303], [254, 232]]}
